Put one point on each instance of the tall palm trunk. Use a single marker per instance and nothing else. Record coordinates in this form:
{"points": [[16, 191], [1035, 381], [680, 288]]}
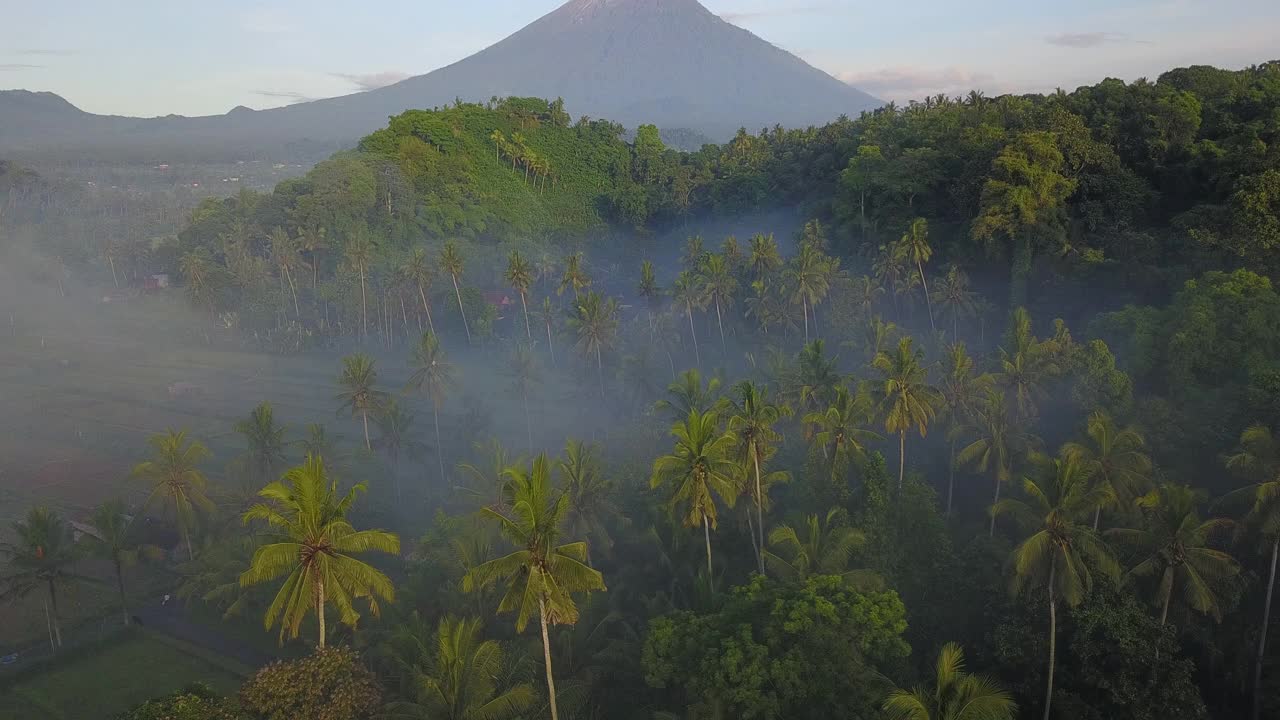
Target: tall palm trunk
{"points": [[902, 458], [551, 348], [1164, 612], [48, 626], [546, 656], [1262, 636], [114, 278], [528, 329], [1053, 642], [694, 333], [364, 306], [928, 301], [461, 310], [427, 309], [185, 527], [804, 308], [367, 444], [706, 532], [435, 412], [951, 478], [755, 457], [124, 601], [294, 290], [600, 371], [320, 609], [720, 323], [53, 604], [996, 501], [528, 423]]}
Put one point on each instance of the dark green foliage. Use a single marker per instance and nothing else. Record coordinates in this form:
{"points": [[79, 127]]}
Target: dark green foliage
{"points": [[196, 702], [755, 657], [331, 684], [1114, 661]]}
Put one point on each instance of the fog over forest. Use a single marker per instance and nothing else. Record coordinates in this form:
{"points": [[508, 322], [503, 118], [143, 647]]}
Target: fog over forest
{"points": [[503, 414]]}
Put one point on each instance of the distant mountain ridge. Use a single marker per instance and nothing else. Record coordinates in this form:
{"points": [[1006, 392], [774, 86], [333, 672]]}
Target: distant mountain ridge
{"points": [[672, 63]]}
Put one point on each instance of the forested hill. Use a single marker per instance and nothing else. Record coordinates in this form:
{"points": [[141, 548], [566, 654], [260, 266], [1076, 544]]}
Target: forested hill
{"points": [[1131, 186]]}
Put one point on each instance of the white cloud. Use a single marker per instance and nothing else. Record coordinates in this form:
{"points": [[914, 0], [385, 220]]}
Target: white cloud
{"points": [[1085, 39], [903, 83], [374, 80], [268, 21]]}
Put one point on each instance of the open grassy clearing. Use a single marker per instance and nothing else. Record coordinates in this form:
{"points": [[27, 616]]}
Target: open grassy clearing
{"points": [[114, 677]]}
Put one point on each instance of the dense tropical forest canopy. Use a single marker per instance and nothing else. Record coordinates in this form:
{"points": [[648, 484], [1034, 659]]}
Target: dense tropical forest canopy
{"points": [[990, 431]]}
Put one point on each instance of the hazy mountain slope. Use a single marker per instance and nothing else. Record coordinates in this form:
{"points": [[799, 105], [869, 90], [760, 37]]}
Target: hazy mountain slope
{"points": [[668, 62]]}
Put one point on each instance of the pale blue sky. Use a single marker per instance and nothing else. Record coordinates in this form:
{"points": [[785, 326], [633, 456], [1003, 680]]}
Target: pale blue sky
{"points": [[153, 57]]}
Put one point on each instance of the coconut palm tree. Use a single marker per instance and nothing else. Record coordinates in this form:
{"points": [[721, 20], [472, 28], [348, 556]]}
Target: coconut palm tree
{"points": [[359, 396], [595, 320], [457, 676], [320, 443], [688, 293], [765, 258], [432, 377], [648, 288], [549, 314], [1172, 543], [689, 394], [175, 477], [1063, 551], [809, 280], [961, 392], [820, 547], [751, 421], [700, 468], [286, 257], [543, 572], [484, 485], [264, 441], [524, 372], [953, 296], [911, 401], [719, 286], [915, 245], [41, 556], [452, 263], [314, 546], [592, 510], [359, 252], [839, 430], [817, 377], [999, 440], [1025, 366], [416, 271], [313, 240], [955, 695], [1258, 458], [395, 436], [112, 542], [1115, 459], [520, 276], [694, 253], [575, 276]]}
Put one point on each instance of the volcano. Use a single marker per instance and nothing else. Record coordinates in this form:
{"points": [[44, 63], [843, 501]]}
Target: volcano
{"points": [[672, 63]]}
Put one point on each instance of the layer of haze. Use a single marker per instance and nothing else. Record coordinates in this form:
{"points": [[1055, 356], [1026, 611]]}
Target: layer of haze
{"points": [[150, 58]]}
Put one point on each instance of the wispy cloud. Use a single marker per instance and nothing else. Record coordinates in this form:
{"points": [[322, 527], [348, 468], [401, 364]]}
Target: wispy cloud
{"points": [[908, 83], [287, 95], [741, 16], [14, 67], [268, 21], [372, 81], [45, 52], [1086, 39]]}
